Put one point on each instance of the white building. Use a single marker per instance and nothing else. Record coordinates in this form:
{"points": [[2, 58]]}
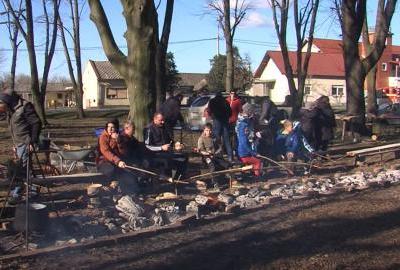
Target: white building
{"points": [[326, 75], [103, 86]]}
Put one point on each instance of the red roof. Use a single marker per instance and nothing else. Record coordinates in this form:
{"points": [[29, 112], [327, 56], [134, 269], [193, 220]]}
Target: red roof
{"points": [[328, 45], [321, 64]]}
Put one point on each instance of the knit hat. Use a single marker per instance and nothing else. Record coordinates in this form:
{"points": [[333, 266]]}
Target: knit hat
{"points": [[5, 98], [248, 109]]}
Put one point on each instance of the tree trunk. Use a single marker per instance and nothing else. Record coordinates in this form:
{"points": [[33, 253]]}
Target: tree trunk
{"points": [[161, 54], [229, 46], [14, 45], [77, 51], [372, 105], [30, 44]]}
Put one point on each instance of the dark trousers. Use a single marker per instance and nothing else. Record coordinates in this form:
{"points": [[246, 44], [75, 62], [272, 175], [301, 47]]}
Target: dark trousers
{"points": [[127, 179], [168, 161], [221, 128]]}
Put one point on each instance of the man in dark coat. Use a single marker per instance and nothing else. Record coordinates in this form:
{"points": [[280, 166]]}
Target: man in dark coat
{"points": [[220, 111], [308, 120], [269, 115], [24, 124], [171, 110], [158, 141], [326, 123]]}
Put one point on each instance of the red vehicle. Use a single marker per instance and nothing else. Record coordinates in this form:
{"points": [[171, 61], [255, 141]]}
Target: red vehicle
{"points": [[392, 94]]}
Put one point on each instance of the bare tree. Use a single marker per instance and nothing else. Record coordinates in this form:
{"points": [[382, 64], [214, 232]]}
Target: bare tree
{"points": [[38, 88], [161, 55], [351, 14], [225, 13], [77, 84], [304, 24], [13, 32], [138, 66], [372, 105]]}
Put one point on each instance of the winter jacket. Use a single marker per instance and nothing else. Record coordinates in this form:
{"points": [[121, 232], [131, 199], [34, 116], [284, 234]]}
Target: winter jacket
{"points": [[171, 111], [236, 107], [245, 135], [268, 112], [325, 122], [131, 149], [109, 149], [206, 144], [23, 121], [219, 109], [155, 137]]}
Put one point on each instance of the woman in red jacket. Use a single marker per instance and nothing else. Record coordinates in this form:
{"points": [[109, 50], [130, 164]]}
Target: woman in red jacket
{"points": [[109, 161]]}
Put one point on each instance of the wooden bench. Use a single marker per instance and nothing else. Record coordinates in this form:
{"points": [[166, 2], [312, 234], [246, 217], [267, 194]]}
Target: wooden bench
{"points": [[378, 150]]}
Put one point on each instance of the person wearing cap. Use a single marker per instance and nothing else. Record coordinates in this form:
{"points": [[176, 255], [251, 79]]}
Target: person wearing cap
{"points": [[23, 122], [246, 138]]}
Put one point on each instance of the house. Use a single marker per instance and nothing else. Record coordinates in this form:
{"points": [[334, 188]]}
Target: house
{"points": [[103, 86], [58, 94], [326, 74]]}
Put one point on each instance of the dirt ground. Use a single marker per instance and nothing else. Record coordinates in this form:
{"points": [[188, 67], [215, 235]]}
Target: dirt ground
{"points": [[358, 230], [349, 231]]}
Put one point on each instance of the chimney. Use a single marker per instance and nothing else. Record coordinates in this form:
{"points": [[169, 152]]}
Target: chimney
{"points": [[389, 39]]}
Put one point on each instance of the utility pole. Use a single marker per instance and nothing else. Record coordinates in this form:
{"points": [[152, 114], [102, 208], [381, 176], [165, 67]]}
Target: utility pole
{"points": [[218, 37]]}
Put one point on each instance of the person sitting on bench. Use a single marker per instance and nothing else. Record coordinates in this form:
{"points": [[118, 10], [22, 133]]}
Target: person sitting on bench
{"points": [[110, 163], [207, 148], [158, 141], [133, 152]]}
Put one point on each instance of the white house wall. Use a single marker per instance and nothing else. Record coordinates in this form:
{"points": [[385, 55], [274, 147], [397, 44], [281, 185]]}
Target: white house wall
{"points": [[90, 87], [319, 86]]}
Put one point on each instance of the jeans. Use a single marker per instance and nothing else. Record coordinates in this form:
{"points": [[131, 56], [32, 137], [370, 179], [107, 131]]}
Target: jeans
{"points": [[221, 128], [23, 154]]}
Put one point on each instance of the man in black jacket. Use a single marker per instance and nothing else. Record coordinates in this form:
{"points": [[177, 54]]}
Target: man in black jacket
{"points": [[24, 124], [171, 110], [158, 140], [220, 112]]}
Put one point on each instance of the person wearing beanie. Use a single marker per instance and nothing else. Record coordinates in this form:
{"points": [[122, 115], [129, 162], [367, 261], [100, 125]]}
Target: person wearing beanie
{"points": [[246, 138], [24, 124]]}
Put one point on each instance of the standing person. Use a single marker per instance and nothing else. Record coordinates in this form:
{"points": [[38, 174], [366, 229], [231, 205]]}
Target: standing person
{"points": [[245, 134], [269, 115], [326, 123], [171, 110], [110, 163], [220, 112], [236, 107], [308, 119], [159, 142], [23, 122]]}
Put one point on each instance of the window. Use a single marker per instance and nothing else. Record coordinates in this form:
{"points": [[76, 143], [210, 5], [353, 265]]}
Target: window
{"points": [[116, 93], [201, 101], [337, 90], [59, 95], [307, 89], [384, 66]]}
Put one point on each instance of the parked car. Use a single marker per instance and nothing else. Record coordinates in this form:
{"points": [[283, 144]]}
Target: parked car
{"points": [[197, 116], [390, 113]]}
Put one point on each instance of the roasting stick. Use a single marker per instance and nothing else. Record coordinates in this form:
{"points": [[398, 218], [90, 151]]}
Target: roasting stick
{"points": [[277, 163], [154, 174], [234, 170]]}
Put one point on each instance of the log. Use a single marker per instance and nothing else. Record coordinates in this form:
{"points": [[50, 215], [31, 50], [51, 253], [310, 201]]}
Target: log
{"points": [[372, 149]]}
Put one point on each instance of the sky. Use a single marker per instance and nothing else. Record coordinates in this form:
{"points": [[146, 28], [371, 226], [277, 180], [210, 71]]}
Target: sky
{"points": [[193, 38]]}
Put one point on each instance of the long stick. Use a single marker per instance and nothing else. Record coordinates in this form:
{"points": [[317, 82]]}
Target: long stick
{"points": [[241, 169], [141, 170], [154, 174], [277, 163]]}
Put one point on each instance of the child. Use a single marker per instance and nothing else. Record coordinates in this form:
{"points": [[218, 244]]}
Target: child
{"points": [[291, 143], [206, 147], [245, 136]]}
